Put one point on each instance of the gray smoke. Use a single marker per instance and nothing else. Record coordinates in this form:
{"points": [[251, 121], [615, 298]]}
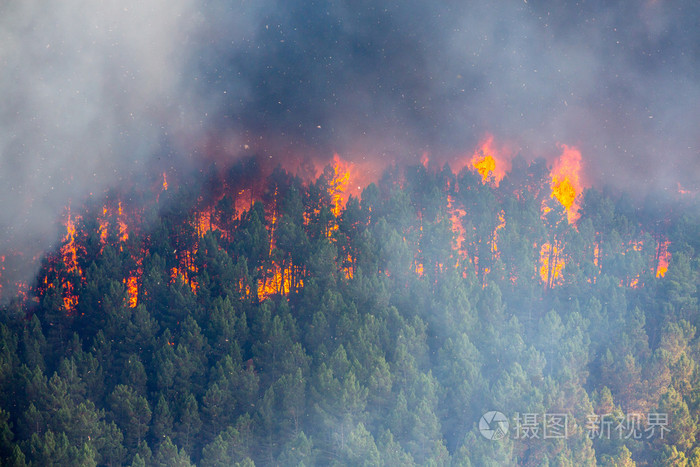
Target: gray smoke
{"points": [[95, 94], [90, 92]]}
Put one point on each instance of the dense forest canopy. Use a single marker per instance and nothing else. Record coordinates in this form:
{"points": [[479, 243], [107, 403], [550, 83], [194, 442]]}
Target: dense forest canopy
{"points": [[266, 320]]}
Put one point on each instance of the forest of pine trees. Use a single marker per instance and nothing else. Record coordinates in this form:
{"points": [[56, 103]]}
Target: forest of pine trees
{"points": [[428, 301]]}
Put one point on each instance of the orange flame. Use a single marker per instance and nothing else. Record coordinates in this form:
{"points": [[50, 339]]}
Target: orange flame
{"points": [[184, 275], [501, 224], [123, 230], [566, 184], [132, 291], [185, 270], [103, 224], [487, 161], [425, 160], [338, 185], [419, 269], [551, 264], [664, 259], [204, 221], [279, 283], [456, 215], [165, 182], [69, 254]]}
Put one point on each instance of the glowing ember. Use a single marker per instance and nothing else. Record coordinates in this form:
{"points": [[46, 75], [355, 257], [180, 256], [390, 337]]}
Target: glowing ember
{"points": [[165, 182], [566, 184]]}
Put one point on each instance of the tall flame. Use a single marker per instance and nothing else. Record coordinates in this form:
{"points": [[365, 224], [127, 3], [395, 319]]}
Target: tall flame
{"points": [[337, 187], [69, 254], [456, 215], [123, 229], [664, 259], [501, 224], [487, 161], [132, 290], [551, 264], [566, 183]]}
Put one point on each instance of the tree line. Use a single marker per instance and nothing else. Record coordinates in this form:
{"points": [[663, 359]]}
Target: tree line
{"points": [[385, 347]]}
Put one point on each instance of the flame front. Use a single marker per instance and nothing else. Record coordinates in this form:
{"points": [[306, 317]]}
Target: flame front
{"points": [[566, 184], [472, 253]]}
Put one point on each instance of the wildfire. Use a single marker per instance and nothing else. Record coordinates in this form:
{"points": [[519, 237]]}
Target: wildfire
{"points": [[204, 221], [132, 290], [566, 184], [337, 186], [664, 257], [501, 224], [69, 254], [487, 161], [551, 264], [425, 160], [116, 221], [456, 215], [102, 222], [279, 283], [123, 230], [184, 275]]}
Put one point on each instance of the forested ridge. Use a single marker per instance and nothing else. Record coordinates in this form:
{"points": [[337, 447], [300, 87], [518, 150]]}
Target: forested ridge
{"points": [[297, 331]]}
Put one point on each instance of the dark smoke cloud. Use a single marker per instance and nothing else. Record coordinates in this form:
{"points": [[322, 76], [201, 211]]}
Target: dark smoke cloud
{"points": [[620, 79], [96, 93]]}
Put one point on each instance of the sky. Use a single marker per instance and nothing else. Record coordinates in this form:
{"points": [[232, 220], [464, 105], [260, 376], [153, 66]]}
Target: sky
{"points": [[98, 95]]}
